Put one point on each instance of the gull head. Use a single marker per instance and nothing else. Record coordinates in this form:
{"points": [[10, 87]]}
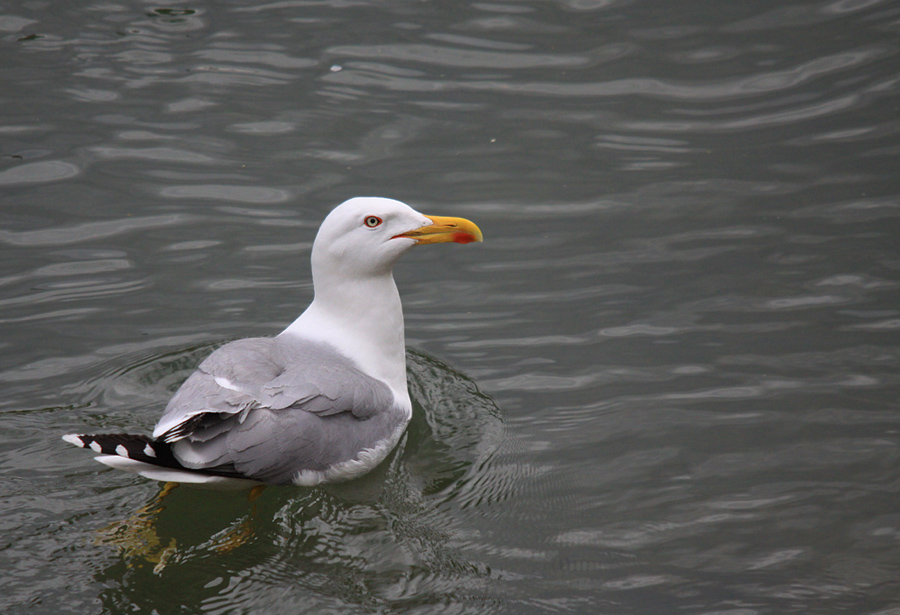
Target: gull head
{"points": [[365, 236]]}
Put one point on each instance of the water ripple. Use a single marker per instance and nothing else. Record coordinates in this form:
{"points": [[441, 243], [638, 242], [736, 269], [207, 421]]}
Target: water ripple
{"points": [[768, 120], [246, 194], [236, 76], [79, 289], [38, 172], [763, 83], [156, 154], [460, 58], [13, 23], [90, 231], [253, 56]]}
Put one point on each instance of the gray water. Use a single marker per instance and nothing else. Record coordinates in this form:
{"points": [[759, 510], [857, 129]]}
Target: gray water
{"points": [[666, 383]]}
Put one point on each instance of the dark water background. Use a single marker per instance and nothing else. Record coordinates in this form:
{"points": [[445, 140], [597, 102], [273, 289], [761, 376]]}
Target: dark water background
{"points": [[666, 383]]}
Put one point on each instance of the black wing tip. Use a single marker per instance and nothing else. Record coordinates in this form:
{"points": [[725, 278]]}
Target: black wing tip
{"points": [[130, 446], [148, 450]]}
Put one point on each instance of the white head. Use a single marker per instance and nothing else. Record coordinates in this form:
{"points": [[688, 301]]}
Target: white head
{"points": [[365, 236], [359, 237]]}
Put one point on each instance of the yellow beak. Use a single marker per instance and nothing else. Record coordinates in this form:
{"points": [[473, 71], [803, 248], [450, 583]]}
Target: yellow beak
{"points": [[444, 230]]}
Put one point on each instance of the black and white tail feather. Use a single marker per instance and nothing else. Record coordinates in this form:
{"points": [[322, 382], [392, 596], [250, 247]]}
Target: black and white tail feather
{"points": [[152, 459], [137, 448]]}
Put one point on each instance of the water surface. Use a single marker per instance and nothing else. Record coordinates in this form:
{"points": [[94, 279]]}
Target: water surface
{"points": [[667, 381]]}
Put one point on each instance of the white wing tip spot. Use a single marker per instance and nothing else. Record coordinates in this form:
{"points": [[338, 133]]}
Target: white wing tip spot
{"points": [[148, 450], [121, 451], [225, 383]]}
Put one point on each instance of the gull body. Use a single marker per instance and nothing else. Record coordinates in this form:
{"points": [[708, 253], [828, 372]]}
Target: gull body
{"points": [[326, 400]]}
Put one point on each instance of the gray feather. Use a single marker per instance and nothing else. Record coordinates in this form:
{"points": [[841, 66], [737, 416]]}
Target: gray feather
{"points": [[299, 406]]}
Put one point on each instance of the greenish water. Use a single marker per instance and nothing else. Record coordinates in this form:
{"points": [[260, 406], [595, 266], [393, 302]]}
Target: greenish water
{"points": [[667, 381]]}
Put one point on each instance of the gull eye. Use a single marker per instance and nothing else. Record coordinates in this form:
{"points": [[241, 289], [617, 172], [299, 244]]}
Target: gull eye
{"points": [[372, 221]]}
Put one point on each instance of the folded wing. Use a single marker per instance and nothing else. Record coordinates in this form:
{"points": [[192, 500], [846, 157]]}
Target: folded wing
{"points": [[275, 408]]}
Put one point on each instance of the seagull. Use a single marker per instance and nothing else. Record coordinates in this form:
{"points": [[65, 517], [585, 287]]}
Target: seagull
{"points": [[323, 401]]}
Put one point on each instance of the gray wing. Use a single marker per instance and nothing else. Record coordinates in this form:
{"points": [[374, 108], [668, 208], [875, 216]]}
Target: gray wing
{"points": [[270, 407]]}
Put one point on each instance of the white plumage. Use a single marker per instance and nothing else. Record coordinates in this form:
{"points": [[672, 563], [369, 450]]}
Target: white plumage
{"points": [[324, 401]]}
